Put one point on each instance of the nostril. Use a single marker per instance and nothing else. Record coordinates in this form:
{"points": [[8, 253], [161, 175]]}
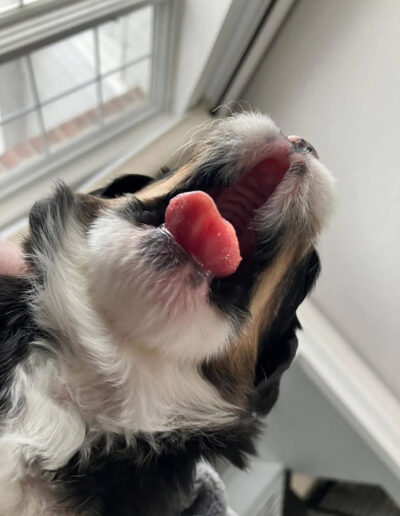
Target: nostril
{"points": [[301, 145]]}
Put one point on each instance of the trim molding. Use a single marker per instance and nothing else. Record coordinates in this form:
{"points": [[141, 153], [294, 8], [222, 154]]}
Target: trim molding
{"points": [[237, 31], [38, 26], [276, 15], [351, 386]]}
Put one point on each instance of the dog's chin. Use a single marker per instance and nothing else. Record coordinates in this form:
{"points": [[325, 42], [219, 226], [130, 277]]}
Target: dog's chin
{"points": [[151, 294]]}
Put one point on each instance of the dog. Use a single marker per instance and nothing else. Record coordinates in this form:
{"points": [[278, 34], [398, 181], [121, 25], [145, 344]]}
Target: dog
{"points": [[122, 363]]}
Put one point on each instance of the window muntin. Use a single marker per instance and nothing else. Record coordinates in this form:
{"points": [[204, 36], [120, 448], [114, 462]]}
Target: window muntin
{"points": [[64, 65], [76, 86]]}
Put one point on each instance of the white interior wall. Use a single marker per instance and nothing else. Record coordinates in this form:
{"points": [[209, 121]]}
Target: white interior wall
{"points": [[308, 434], [333, 76]]}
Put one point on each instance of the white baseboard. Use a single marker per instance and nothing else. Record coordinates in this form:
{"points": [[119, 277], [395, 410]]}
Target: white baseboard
{"points": [[351, 386]]}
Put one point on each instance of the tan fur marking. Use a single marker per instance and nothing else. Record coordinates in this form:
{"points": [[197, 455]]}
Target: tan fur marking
{"points": [[153, 190], [164, 186], [263, 305], [239, 362]]}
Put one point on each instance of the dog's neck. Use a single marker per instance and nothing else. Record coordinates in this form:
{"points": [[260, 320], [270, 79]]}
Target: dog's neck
{"points": [[78, 394], [116, 388]]}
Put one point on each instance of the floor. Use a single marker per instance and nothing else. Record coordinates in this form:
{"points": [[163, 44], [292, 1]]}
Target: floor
{"points": [[329, 498]]}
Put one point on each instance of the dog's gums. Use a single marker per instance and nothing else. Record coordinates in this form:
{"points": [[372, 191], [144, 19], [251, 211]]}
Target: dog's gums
{"points": [[193, 219], [240, 202], [215, 234]]}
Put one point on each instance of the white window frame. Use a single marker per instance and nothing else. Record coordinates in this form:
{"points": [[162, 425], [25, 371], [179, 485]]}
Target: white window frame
{"points": [[33, 26], [192, 70]]}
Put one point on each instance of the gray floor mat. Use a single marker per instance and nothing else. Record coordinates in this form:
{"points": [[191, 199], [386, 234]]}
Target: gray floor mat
{"points": [[345, 499]]}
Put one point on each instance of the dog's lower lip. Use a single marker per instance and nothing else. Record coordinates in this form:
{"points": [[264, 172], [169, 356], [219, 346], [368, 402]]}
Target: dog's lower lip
{"points": [[206, 275]]}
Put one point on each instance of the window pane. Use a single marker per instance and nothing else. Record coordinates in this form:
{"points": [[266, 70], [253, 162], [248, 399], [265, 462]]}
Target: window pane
{"points": [[19, 95], [66, 83], [70, 117], [126, 89], [20, 142], [125, 39], [110, 41], [64, 65], [5, 5], [140, 31]]}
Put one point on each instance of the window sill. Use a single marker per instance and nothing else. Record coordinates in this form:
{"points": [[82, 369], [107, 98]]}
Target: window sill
{"points": [[143, 149]]}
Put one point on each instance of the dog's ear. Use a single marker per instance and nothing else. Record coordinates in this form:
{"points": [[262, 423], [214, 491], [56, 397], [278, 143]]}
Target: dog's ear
{"points": [[278, 346], [282, 353], [48, 216], [126, 184]]}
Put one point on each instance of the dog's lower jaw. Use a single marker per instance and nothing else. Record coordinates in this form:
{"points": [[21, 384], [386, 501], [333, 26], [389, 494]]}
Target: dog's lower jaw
{"points": [[149, 301]]}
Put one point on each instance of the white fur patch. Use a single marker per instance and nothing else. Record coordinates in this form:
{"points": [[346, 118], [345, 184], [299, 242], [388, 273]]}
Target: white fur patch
{"points": [[302, 203], [136, 383], [148, 307], [237, 143]]}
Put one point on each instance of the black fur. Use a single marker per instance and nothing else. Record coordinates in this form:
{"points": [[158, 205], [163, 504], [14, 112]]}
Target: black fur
{"points": [[278, 347], [16, 332], [135, 480], [129, 183], [47, 221]]}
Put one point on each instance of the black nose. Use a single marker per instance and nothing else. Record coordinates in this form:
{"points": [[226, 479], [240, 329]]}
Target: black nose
{"points": [[301, 145]]}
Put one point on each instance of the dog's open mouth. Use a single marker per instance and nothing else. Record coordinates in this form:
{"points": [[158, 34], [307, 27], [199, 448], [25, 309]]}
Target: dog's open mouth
{"points": [[218, 232]]}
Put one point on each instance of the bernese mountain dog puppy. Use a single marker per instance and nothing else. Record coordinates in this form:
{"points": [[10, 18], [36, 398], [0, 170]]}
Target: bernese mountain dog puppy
{"points": [[122, 362]]}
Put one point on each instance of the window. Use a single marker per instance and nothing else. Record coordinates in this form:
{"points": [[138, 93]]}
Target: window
{"points": [[10, 5], [77, 81]]}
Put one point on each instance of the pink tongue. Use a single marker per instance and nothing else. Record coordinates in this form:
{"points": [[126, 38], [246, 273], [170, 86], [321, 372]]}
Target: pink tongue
{"points": [[195, 222]]}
